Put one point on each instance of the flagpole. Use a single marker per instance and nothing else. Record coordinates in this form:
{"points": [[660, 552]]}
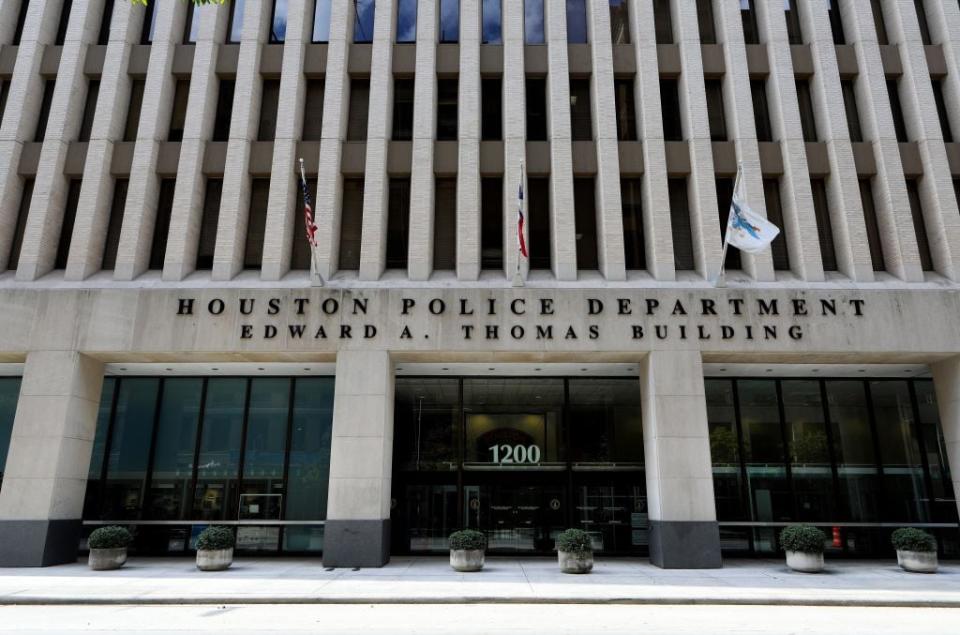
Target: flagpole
{"points": [[316, 280], [517, 276], [721, 279]]}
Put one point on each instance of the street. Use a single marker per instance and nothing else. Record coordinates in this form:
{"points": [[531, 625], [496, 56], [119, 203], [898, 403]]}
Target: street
{"points": [[470, 619]]}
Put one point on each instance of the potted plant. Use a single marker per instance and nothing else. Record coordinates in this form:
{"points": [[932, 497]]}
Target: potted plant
{"points": [[108, 547], [467, 550], [215, 548], [575, 551], [804, 547], [916, 550]]}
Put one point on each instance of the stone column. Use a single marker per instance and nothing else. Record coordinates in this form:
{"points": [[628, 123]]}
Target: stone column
{"points": [[676, 444], [514, 135], [946, 383], [357, 530], [46, 475], [468, 149]]}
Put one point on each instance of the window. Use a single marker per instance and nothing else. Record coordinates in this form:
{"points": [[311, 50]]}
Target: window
{"points": [[626, 112], [278, 22], [821, 210], [670, 107], [492, 22], [879, 22], [4, 89], [619, 22], [873, 228], [265, 449], [751, 33], [708, 32], [580, 123], [445, 224], [538, 206], [853, 447], [449, 20], [632, 205], [207, 243], [576, 22], [585, 222], [221, 122], [680, 225], [536, 109], [363, 24], [491, 222], [761, 112], [89, 110], [66, 227], [192, 24], [403, 109], [269, 103], [919, 225], [48, 88], [771, 198], [21, 19], [724, 189], [533, 27], [807, 120], [491, 92], [313, 110], [922, 19], [836, 22], [9, 393], [447, 109], [718, 121], [64, 22], [114, 224], [133, 110], [663, 21], [178, 115], [763, 451], [398, 223], [218, 458], [321, 21], [942, 110], [103, 35], [897, 110], [161, 227], [406, 21], [21, 228], [150, 22], [351, 223], [359, 105], [850, 106], [256, 224], [792, 10], [235, 28]]}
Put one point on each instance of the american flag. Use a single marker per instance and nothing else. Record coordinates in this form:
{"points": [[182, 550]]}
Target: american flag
{"points": [[308, 212], [520, 241]]}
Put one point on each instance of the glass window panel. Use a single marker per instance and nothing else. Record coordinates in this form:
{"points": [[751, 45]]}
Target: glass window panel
{"points": [[533, 22], [363, 24], [278, 25], [402, 109], [149, 23], [763, 451], [904, 489], [235, 32], [9, 393], [576, 22], [321, 21], [130, 447], [309, 463], [218, 462], [193, 24], [91, 505], [942, 497], [426, 416], [619, 24], [810, 465], [492, 22], [449, 20], [173, 452], [724, 450], [261, 496], [605, 421], [407, 21], [853, 449]]}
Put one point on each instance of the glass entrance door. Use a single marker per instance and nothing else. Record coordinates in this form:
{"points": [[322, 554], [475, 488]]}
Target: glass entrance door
{"points": [[517, 517]]}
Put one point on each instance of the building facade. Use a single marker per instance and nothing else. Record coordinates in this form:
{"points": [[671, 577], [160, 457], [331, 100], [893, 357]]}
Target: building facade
{"points": [[173, 353]]}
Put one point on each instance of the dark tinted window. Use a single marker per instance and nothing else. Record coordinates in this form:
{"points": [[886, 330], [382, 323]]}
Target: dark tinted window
{"points": [[89, 110], [491, 90], [670, 106], [922, 19], [21, 19], [850, 106], [4, 89], [445, 224], [821, 209], [751, 34], [256, 223], [680, 225], [221, 122], [761, 111], [708, 32], [807, 120], [626, 111], [161, 227], [23, 211], [491, 225], [585, 219], [771, 197], [792, 12], [897, 109], [663, 21], [103, 35], [718, 121], [873, 227], [206, 245], [269, 104], [402, 109], [724, 189], [398, 223], [133, 110], [538, 206], [64, 22], [447, 109], [313, 110], [942, 111], [351, 223], [536, 109], [836, 23], [881, 25], [363, 23], [44, 116], [632, 204], [150, 23], [178, 116], [576, 21], [66, 228], [359, 105], [580, 124], [114, 225], [919, 225], [533, 27], [619, 22]]}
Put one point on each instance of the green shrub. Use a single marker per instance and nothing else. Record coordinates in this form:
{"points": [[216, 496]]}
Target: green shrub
{"points": [[214, 538], [112, 537], [467, 539], [911, 539], [574, 541], [802, 538]]}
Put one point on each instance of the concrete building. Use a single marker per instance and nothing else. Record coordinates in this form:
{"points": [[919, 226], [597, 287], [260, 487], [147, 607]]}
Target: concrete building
{"points": [[168, 360]]}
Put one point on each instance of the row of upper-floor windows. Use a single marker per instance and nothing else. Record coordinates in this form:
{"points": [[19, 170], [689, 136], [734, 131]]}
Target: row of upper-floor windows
{"points": [[448, 21]]}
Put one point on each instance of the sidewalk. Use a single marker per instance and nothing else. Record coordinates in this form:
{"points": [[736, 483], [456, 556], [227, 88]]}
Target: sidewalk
{"points": [[503, 580]]}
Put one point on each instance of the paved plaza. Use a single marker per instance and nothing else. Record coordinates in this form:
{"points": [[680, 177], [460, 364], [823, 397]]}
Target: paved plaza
{"points": [[504, 580]]}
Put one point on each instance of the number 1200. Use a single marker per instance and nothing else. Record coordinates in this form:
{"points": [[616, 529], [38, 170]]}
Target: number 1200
{"points": [[515, 453]]}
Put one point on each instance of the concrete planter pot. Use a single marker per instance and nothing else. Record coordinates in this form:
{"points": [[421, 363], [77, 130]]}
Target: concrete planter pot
{"points": [[917, 561], [467, 560], [107, 559], [571, 562], [214, 559], [805, 562]]}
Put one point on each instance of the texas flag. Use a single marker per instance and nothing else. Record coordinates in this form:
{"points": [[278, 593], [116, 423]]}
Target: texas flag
{"points": [[521, 243]]}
